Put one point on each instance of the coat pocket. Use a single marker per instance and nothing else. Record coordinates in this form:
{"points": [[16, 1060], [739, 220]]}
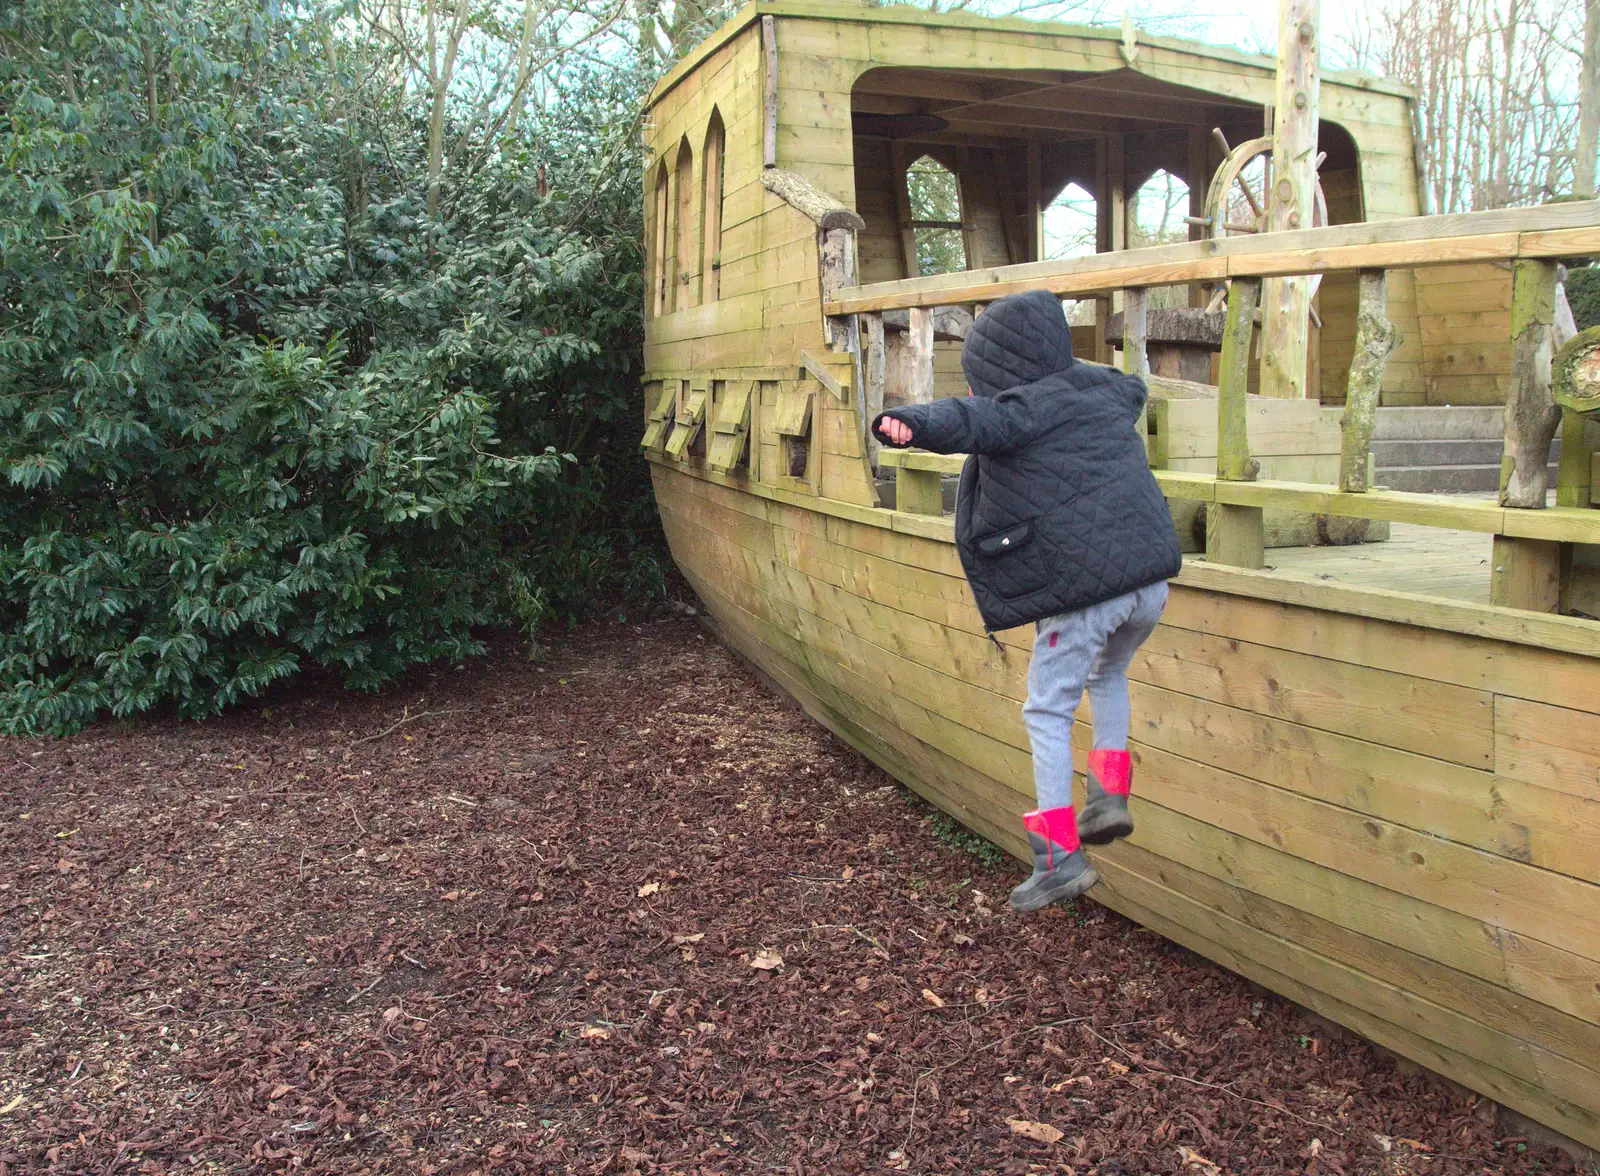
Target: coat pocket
{"points": [[1011, 564]]}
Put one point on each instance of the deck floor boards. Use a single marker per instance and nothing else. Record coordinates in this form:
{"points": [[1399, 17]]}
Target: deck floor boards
{"points": [[1427, 560]]}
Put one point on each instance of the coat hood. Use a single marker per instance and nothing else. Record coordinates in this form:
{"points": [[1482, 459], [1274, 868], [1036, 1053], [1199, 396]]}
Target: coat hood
{"points": [[1018, 340]]}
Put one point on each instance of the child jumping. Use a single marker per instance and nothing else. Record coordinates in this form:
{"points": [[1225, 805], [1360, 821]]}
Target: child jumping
{"points": [[1060, 524]]}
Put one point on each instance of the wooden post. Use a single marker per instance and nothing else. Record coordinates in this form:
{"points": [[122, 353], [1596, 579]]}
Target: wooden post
{"points": [[1286, 323], [1136, 350], [902, 209], [1235, 535], [1111, 225], [1198, 177], [876, 376], [837, 269], [919, 346], [769, 95], [1035, 203], [918, 491], [1234, 463], [1375, 339], [1531, 413], [1526, 574], [1580, 442]]}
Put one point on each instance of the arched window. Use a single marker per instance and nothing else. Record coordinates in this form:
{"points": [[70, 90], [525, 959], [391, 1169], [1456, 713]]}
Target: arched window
{"points": [[935, 198], [1069, 224], [1156, 211], [1156, 215], [711, 212], [683, 258], [660, 242]]}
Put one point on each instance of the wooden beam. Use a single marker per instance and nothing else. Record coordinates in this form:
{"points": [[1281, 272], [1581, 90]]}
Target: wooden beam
{"points": [[919, 345], [769, 94], [875, 372], [1035, 202], [1291, 198], [822, 374], [1549, 232], [1375, 340], [900, 160]]}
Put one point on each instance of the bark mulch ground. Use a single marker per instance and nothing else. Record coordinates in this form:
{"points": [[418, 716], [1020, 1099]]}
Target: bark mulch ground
{"points": [[622, 912]]}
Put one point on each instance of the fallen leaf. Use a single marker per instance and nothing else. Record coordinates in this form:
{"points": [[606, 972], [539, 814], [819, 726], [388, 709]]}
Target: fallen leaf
{"points": [[391, 1015], [766, 959], [452, 895], [848, 873], [1193, 1159], [1115, 1067], [1080, 1080], [1385, 1142], [1028, 1129], [932, 998], [12, 1105], [863, 983], [981, 996], [280, 1090], [875, 1038], [1314, 1149], [1416, 1143], [648, 889], [680, 940], [961, 940], [594, 1032]]}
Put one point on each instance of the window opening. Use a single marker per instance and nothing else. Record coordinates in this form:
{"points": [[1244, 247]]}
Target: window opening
{"points": [[935, 197], [792, 423], [659, 266], [1156, 216], [711, 211], [683, 259]]}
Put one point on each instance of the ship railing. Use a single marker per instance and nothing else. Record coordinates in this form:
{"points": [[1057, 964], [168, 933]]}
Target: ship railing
{"points": [[1530, 536]]}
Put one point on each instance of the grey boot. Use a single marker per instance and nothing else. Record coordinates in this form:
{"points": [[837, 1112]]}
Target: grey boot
{"points": [[1057, 876], [1105, 813]]}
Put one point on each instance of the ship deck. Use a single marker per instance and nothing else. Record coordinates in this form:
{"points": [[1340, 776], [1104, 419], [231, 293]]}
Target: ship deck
{"points": [[1451, 565]]}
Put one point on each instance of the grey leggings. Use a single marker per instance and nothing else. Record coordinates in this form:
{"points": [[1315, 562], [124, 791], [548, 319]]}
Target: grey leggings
{"points": [[1091, 647]]}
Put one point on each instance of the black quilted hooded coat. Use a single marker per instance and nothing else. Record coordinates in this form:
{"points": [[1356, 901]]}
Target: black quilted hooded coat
{"points": [[1057, 509]]}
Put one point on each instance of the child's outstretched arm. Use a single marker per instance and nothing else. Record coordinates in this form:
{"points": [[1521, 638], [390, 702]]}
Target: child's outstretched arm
{"points": [[958, 424]]}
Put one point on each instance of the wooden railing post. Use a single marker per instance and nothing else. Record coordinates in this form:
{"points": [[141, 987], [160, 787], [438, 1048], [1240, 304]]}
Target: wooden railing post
{"points": [[1531, 412], [1375, 340], [1235, 535], [919, 346], [1136, 349], [876, 374], [1526, 573]]}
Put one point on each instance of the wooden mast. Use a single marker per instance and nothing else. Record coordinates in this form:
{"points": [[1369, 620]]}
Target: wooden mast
{"points": [[1285, 321]]}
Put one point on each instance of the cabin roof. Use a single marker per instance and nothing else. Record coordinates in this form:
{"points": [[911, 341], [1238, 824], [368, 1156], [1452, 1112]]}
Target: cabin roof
{"points": [[845, 10]]}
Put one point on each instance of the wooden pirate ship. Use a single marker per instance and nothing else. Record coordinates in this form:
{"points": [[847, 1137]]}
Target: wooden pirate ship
{"points": [[1367, 734]]}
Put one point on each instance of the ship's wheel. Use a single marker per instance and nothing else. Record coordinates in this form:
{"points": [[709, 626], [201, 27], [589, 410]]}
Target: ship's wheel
{"points": [[1227, 215]]}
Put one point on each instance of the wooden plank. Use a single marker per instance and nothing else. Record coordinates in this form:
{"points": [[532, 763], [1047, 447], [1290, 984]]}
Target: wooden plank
{"points": [[730, 430], [660, 418], [1437, 719], [1552, 746], [826, 376]]}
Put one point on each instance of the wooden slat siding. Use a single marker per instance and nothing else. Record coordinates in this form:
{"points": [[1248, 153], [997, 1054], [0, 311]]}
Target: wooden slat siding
{"points": [[1551, 746], [1382, 908], [994, 715]]}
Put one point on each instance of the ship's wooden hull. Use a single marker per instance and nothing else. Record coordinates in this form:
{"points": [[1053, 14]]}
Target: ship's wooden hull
{"points": [[1393, 822]]}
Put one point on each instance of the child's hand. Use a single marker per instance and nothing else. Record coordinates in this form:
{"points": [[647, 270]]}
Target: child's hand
{"points": [[896, 432]]}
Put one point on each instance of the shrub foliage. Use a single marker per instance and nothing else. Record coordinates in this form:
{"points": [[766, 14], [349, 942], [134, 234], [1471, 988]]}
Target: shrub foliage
{"points": [[259, 410]]}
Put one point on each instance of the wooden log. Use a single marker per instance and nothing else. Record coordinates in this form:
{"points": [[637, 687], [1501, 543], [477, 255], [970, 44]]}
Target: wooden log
{"points": [[876, 373], [1580, 444], [1575, 373], [1233, 444], [1175, 324], [951, 323], [1135, 342], [836, 266], [1285, 328], [1526, 573], [1236, 534], [919, 345], [1375, 340], [769, 94], [804, 196], [1531, 413]]}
